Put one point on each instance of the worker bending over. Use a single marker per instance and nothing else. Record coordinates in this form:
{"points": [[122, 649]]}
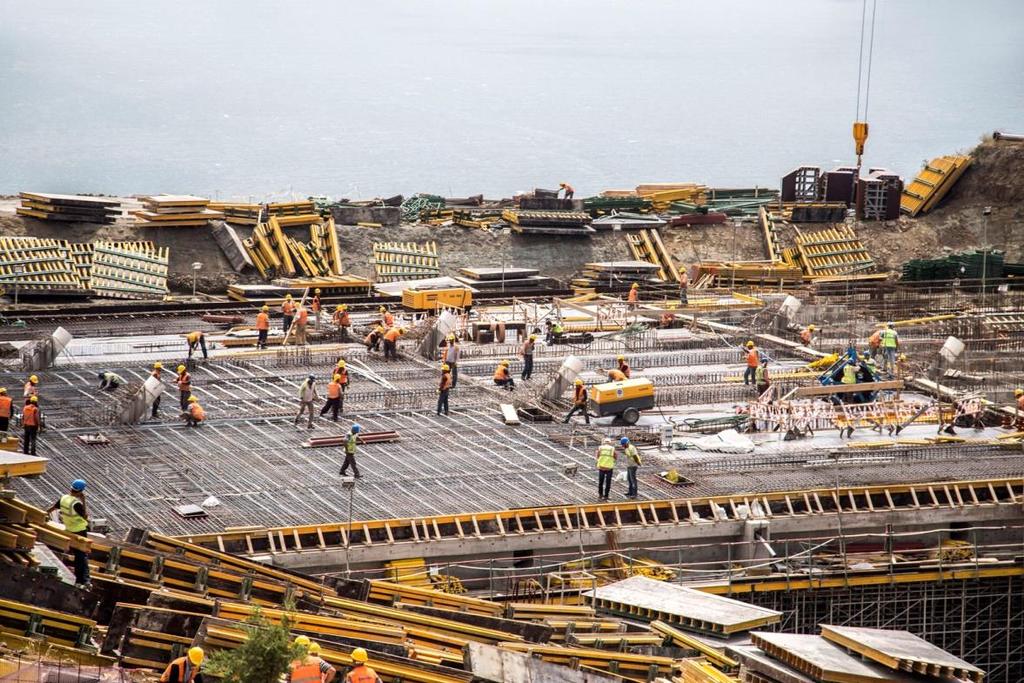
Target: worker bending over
{"points": [[875, 343], [568, 189], [753, 361], [287, 313], [184, 382], [623, 366], [196, 340], [307, 396], [31, 420], [633, 463], [444, 388], [374, 338], [185, 669], [526, 351], [262, 327], [109, 381], [75, 519], [350, 452], [342, 320], [194, 414], [333, 403], [579, 401], [450, 353], [605, 468], [6, 409], [391, 342], [807, 336], [31, 387], [614, 375], [890, 344], [157, 371], [502, 376]]}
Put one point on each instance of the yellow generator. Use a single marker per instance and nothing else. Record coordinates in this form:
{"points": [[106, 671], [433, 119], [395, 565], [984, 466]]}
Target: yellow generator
{"points": [[623, 399], [433, 299]]}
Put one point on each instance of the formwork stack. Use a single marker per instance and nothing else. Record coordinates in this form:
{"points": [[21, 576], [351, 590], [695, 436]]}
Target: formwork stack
{"points": [[175, 211], [396, 261], [933, 182], [69, 207]]}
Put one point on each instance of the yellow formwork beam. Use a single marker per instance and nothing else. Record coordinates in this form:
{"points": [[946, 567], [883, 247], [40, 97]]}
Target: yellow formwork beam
{"points": [[932, 183]]}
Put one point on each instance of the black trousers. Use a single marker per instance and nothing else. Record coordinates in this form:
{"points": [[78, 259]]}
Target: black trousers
{"points": [[604, 482], [390, 349], [81, 563], [527, 366], [5, 423], [506, 383], [748, 375], [578, 408], [28, 440], [202, 345], [183, 397], [333, 405], [454, 369], [261, 341], [442, 402], [156, 406], [350, 461], [286, 322]]}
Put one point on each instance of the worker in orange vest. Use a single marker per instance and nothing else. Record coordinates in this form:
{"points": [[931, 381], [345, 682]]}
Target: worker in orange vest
{"points": [[185, 669], [6, 406], [30, 421], [184, 382], [361, 672], [374, 338], [567, 189], [624, 366], [333, 398], [753, 362], [288, 313], [391, 342], [444, 388], [315, 306], [614, 375], [158, 369], [342, 320], [31, 387], [807, 335], [194, 414], [327, 672], [502, 376], [386, 319], [262, 326], [875, 344], [301, 320], [306, 667], [196, 340], [634, 295], [579, 401]]}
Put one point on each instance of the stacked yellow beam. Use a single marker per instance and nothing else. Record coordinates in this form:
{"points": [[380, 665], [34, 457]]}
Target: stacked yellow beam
{"points": [[412, 572], [836, 251], [175, 211], [396, 261], [933, 182], [32, 263], [387, 593]]}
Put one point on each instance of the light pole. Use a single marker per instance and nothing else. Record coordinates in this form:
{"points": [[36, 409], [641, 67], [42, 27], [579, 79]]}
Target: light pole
{"points": [[571, 469], [349, 484], [986, 212], [196, 267], [18, 273]]}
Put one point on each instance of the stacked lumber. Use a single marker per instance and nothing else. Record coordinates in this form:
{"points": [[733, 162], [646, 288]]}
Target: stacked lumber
{"points": [[128, 270], [394, 261], [933, 182], [69, 207], [520, 280], [274, 253], [237, 213], [38, 265], [647, 246], [175, 211], [567, 223], [481, 220], [616, 276], [832, 252]]}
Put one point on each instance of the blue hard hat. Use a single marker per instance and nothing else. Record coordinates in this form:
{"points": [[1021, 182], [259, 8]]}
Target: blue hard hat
{"points": [[78, 485], [356, 428], [623, 441]]}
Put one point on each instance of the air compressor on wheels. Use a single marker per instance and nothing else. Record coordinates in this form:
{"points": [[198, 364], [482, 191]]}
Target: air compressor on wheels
{"points": [[623, 399]]}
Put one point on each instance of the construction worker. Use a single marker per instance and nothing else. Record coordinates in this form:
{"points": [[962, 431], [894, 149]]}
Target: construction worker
{"points": [[361, 672], [314, 306], [807, 335], [614, 375], [342, 320], [194, 414], [1018, 395], [502, 376], [605, 468], [668, 319], [444, 388], [109, 381], [391, 342], [579, 401], [307, 396], [890, 344], [196, 340], [6, 408], [30, 421], [633, 296], [184, 382], [633, 463], [350, 452], [567, 189], [684, 286], [557, 330], [526, 351], [75, 518], [761, 379], [305, 668], [301, 321], [185, 669], [902, 366], [374, 338], [157, 370], [327, 672], [262, 327], [623, 366], [333, 398], [31, 387], [386, 319], [753, 361], [341, 371], [287, 313], [875, 343], [450, 353]]}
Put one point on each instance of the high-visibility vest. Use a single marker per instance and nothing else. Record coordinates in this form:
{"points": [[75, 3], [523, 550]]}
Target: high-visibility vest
{"points": [[184, 382], [446, 381], [805, 336], [186, 672], [606, 457], [633, 294], [30, 416], [362, 674], [262, 321], [889, 338], [849, 374], [333, 389], [193, 337], [557, 328], [875, 340], [197, 412], [392, 335], [579, 396], [287, 307], [350, 444], [624, 369], [761, 374], [500, 372], [616, 375], [389, 320], [753, 358], [341, 319], [5, 406], [634, 456], [343, 374], [303, 316], [73, 521], [305, 671]]}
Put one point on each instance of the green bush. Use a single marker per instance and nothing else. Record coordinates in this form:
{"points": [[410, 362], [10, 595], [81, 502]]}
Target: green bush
{"points": [[265, 655]]}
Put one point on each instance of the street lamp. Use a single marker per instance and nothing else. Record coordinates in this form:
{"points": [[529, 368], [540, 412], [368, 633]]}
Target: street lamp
{"points": [[349, 484], [571, 469], [196, 267], [18, 273], [986, 212]]}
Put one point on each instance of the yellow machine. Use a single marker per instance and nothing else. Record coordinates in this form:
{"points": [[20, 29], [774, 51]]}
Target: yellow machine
{"points": [[623, 399], [433, 299]]}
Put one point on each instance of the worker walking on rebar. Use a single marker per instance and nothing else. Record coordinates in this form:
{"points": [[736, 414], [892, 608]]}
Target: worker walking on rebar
{"points": [[31, 420], [184, 382], [633, 462], [287, 314], [761, 379], [194, 414], [341, 372], [386, 318], [196, 340], [333, 403], [623, 366], [890, 344], [391, 342], [753, 361], [6, 409], [807, 336], [502, 376], [75, 518], [361, 672], [374, 338], [526, 351], [350, 452], [450, 353], [185, 669], [633, 297], [301, 321], [605, 468], [262, 327], [314, 306], [31, 387], [444, 388], [342, 320], [579, 401], [568, 189], [109, 381], [307, 396], [156, 372]]}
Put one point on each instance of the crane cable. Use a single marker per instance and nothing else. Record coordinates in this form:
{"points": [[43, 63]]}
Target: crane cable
{"points": [[860, 125]]}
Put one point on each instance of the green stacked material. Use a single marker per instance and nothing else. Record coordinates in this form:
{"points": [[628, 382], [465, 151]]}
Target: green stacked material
{"points": [[416, 204], [599, 205], [966, 266]]}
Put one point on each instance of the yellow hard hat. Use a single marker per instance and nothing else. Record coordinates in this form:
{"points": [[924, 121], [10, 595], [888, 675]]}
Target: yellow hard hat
{"points": [[193, 399], [340, 307], [359, 655], [336, 378], [33, 379], [902, 356], [158, 366], [181, 368], [302, 641], [1018, 392], [383, 309], [811, 328], [401, 330], [288, 296], [533, 337], [444, 367], [314, 648], [578, 382], [316, 291], [750, 343], [620, 358], [196, 655], [3, 390], [265, 308], [341, 364], [635, 286], [504, 362], [451, 337], [33, 399]]}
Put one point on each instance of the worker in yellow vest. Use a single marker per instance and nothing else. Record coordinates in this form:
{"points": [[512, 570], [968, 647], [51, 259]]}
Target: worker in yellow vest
{"points": [[361, 671], [185, 669], [605, 468], [75, 518], [890, 344]]}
